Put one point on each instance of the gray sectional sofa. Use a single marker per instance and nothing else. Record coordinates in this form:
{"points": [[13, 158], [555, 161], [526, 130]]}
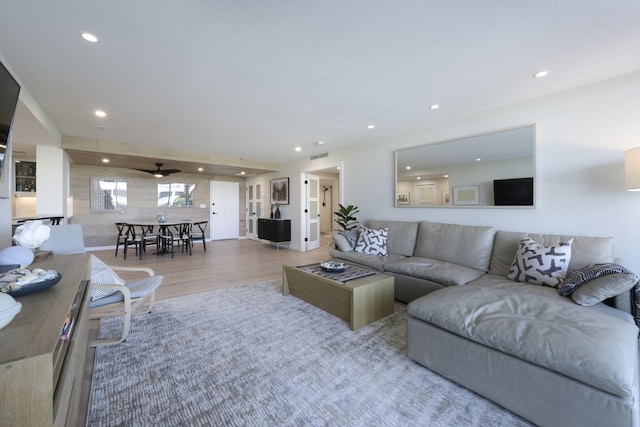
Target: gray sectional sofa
{"points": [[524, 346]]}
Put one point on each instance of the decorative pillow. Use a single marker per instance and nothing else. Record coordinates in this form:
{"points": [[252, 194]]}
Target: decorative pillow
{"points": [[342, 243], [601, 288], [538, 265], [579, 277], [351, 236], [101, 274], [372, 242]]}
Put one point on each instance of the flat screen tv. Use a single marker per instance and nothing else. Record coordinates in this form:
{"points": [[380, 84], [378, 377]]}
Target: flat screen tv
{"points": [[9, 91], [513, 192]]}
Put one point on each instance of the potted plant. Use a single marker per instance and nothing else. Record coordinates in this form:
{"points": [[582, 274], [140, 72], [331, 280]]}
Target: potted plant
{"points": [[345, 217]]}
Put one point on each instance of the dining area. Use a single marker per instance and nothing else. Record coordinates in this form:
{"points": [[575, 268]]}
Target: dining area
{"points": [[160, 236]]}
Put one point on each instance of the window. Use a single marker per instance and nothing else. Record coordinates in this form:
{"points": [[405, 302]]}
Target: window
{"points": [[175, 195], [108, 194]]}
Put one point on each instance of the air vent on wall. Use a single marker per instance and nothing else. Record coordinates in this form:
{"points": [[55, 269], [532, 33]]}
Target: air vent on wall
{"points": [[320, 156]]}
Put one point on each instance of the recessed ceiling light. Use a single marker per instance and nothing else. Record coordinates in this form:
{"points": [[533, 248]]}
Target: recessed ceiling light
{"points": [[338, 167], [478, 159], [90, 37], [370, 127], [319, 142], [242, 172], [200, 169], [100, 113], [541, 74], [105, 160], [298, 149], [408, 168], [446, 175], [434, 106], [418, 178]]}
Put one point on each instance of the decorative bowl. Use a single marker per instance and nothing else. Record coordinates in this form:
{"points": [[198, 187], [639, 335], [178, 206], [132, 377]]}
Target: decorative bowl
{"points": [[30, 288], [333, 266]]}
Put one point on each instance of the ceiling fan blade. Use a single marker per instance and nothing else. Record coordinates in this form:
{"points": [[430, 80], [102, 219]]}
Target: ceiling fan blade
{"points": [[148, 170], [170, 171]]}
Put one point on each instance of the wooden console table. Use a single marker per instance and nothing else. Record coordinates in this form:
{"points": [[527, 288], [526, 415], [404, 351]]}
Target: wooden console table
{"points": [[41, 376]]}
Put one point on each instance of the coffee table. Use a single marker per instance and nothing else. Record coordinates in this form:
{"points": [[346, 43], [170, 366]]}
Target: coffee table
{"points": [[359, 301]]}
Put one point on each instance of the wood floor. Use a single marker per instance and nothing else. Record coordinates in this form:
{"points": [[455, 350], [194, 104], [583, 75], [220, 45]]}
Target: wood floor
{"points": [[225, 263]]}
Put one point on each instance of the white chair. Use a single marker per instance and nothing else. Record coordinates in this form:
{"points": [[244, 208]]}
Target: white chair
{"points": [[109, 294]]}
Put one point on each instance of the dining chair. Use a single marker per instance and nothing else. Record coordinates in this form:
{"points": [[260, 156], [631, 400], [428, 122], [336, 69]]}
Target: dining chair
{"points": [[175, 234], [141, 238], [121, 239], [196, 233]]}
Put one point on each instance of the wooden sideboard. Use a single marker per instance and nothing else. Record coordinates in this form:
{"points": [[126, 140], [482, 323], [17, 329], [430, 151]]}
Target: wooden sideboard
{"points": [[41, 375]]}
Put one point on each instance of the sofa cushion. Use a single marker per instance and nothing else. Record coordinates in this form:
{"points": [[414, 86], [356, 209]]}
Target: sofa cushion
{"points": [[342, 243], [585, 250], [465, 245], [577, 278], [539, 265], [402, 235], [602, 288], [377, 262], [372, 241], [594, 345], [445, 273]]}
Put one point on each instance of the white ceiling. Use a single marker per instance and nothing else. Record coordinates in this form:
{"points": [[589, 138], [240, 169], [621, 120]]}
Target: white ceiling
{"points": [[256, 78]]}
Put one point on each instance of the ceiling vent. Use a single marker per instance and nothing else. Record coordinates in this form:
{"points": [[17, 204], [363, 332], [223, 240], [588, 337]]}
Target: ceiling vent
{"points": [[319, 156]]}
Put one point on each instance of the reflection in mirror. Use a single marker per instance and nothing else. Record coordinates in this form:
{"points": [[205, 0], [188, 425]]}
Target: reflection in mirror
{"points": [[463, 172], [175, 195], [108, 194]]}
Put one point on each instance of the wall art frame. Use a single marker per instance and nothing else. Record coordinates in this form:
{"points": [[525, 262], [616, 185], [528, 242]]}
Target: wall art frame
{"points": [[468, 195], [280, 191]]}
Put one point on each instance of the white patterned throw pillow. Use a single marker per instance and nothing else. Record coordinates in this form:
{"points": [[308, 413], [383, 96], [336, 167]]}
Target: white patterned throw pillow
{"points": [[539, 265], [101, 274], [372, 242]]}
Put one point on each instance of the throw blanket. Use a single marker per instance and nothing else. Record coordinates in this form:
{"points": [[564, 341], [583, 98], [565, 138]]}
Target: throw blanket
{"points": [[577, 278]]}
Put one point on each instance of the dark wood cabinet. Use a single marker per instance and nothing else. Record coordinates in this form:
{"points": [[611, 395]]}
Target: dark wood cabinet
{"points": [[275, 230]]}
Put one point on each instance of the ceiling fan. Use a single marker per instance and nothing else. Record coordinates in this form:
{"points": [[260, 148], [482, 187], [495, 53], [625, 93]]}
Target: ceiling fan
{"points": [[159, 173]]}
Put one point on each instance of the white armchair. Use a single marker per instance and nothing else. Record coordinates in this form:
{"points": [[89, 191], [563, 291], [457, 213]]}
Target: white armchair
{"points": [[111, 296]]}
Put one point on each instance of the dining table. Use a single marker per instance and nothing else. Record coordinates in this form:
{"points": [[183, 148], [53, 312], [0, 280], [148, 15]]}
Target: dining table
{"points": [[146, 228]]}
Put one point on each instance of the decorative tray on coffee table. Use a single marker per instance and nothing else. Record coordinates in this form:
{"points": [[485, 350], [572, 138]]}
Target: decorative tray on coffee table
{"points": [[333, 267]]}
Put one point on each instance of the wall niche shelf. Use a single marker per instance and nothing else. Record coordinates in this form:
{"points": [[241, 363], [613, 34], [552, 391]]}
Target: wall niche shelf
{"points": [[25, 177]]}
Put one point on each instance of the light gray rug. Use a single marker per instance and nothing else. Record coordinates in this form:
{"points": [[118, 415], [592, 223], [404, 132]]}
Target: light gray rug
{"points": [[249, 356]]}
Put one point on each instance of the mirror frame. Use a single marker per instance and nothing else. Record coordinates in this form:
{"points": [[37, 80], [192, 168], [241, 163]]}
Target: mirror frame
{"points": [[472, 191]]}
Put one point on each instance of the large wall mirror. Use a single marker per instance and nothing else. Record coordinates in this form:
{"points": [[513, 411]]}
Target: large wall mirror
{"points": [[490, 170]]}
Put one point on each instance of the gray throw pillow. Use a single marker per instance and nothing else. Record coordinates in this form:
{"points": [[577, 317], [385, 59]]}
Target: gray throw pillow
{"points": [[603, 287], [342, 244], [351, 236]]}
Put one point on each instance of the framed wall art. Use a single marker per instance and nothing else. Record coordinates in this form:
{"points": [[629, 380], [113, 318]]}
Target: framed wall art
{"points": [[403, 198], [280, 191], [466, 195]]}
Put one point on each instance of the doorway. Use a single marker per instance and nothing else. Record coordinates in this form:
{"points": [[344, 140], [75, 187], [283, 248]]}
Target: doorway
{"points": [[225, 203], [331, 176], [256, 202]]}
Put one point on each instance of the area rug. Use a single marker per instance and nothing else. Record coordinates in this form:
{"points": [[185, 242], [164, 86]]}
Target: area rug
{"points": [[249, 356]]}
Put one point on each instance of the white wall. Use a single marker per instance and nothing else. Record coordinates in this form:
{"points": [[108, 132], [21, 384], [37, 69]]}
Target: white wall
{"points": [[581, 138]]}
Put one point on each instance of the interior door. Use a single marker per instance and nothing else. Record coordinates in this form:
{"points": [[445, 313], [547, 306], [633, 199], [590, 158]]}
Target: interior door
{"points": [[225, 210], [313, 212], [254, 207]]}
